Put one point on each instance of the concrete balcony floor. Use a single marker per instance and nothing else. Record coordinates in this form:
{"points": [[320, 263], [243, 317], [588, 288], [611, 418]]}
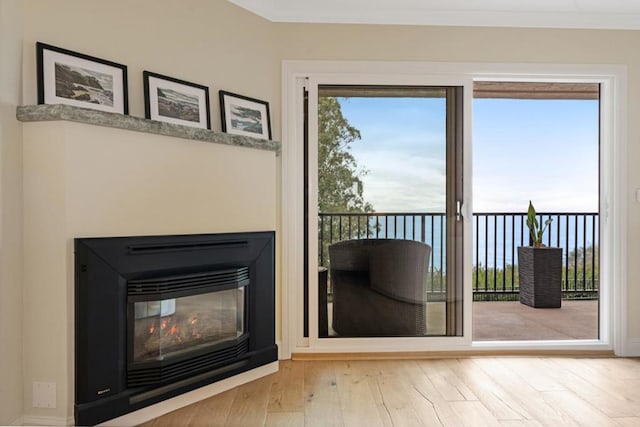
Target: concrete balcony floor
{"points": [[510, 320]]}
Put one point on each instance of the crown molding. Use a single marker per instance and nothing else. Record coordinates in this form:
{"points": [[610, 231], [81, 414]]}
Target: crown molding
{"points": [[578, 18]]}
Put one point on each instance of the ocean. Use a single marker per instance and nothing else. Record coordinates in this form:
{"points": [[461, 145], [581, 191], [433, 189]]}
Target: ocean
{"points": [[496, 236]]}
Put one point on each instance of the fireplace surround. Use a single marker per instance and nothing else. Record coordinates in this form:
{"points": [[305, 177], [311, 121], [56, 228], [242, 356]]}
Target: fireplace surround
{"points": [[157, 316]]}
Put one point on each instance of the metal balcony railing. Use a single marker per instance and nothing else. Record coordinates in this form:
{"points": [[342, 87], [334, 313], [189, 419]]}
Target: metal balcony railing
{"points": [[496, 236]]}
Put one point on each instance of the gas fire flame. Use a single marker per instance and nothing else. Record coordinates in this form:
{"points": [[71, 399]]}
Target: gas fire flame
{"points": [[170, 328], [163, 335]]}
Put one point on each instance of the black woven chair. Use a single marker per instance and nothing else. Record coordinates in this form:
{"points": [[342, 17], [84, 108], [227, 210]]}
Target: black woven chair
{"points": [[379, 287]]}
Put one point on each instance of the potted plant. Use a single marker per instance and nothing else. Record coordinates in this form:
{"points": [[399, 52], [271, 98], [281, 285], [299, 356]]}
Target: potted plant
{"points": [[539, 267]]}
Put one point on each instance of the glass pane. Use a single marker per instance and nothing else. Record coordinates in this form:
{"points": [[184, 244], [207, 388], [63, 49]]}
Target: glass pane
{"points": [[171, 326], [382, 198], [545, 138]]}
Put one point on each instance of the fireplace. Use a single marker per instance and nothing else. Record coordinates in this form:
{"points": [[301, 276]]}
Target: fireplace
{"points": [[157, 316]]}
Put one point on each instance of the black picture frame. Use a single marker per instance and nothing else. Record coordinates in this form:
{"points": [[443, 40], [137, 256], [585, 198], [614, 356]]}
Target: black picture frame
{"points": [[245, 116], [72, 78], [171, 100]]}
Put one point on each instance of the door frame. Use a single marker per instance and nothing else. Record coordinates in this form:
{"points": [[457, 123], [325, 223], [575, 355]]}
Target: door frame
{"points": [[299, 74]]}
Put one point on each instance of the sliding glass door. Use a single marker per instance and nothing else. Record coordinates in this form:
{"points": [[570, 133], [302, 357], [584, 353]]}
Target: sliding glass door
{"points": [[383, 196]]}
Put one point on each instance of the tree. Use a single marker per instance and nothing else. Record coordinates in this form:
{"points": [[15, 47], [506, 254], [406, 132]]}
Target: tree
{"points": [[583, 268], [339, 177]]}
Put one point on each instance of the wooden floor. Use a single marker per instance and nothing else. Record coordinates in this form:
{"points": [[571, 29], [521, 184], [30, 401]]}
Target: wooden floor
{"points": [[482, 391]]}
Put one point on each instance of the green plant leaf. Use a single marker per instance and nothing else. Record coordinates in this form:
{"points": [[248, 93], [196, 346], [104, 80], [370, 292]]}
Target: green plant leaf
{"points": [[534, 226]]}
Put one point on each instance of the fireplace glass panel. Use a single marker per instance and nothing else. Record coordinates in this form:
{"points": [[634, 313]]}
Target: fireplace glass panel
{"points": [[173, 326]]}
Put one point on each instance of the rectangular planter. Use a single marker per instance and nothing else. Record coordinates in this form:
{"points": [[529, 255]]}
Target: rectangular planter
{"points": [[540, 274]]}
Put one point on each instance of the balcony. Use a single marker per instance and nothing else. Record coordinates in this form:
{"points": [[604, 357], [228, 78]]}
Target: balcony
{"points": [[496, 236]]}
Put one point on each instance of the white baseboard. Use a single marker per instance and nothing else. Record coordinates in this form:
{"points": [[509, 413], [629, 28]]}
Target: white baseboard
{"points": [[154, 411], [280, 352], [38, 420], [17, 422]]}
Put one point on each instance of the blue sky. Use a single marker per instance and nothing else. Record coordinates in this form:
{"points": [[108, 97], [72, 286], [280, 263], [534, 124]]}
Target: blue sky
{"points": [[402, 149], [543, 150]]}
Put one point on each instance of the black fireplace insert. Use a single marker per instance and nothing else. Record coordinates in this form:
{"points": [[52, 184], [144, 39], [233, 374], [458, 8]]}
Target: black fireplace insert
{"points": [[157, 316]]}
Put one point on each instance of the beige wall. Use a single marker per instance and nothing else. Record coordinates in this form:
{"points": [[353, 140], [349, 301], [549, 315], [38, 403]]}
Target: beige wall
{"points": [[503, 45], [10, 212], [454, 44]]}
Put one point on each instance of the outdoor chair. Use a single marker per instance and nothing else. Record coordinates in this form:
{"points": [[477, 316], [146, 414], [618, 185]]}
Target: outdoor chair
{"points": [[379, 287]]}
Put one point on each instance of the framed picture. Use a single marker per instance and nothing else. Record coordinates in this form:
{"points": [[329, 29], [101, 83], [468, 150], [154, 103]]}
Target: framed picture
{"points": [[66, 77], [244, 116], [171, 100]]}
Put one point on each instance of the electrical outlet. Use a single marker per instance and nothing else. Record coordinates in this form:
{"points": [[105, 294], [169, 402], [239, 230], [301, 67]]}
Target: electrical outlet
{"points": [[44, 395]]}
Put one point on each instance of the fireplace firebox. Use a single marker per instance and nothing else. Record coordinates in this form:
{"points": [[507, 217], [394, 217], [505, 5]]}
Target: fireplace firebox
{"points": [[157, 316]]}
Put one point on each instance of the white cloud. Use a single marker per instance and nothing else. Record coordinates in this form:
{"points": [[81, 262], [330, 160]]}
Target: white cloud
{"points": [[401, 182]]}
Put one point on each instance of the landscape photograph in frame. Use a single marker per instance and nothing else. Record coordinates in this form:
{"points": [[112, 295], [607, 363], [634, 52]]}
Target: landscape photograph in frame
{"points": [[72, 78], [245, 116], [176, 101]]}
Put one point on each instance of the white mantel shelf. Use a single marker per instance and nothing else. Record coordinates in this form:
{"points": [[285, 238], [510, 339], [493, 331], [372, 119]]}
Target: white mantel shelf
{"points": [[43, 113]]}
